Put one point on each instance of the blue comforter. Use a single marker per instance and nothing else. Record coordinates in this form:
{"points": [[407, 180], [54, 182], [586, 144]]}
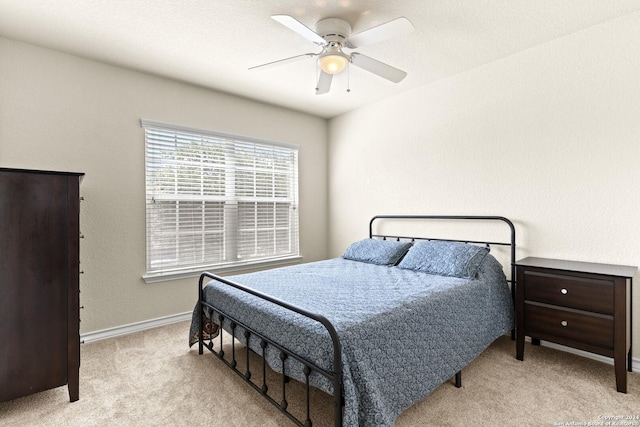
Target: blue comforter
{"points": [[403, 333]]}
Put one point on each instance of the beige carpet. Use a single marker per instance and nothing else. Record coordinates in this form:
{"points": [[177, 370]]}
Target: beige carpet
{"points": [[152, 378]]}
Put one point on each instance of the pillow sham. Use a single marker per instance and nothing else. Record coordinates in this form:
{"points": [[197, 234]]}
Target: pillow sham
{"points": [[454, 259], [377, 251]]}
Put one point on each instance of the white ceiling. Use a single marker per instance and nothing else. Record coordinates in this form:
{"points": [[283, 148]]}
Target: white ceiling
{"points": [[212, 43]]}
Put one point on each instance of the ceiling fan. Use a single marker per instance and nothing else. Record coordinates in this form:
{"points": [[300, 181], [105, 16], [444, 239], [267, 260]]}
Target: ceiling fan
{"points": [[333, 35]]}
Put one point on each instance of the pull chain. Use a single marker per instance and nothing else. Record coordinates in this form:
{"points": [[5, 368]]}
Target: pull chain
{"points": [[348, 77]]}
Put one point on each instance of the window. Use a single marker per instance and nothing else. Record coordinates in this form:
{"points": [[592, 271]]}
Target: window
{"points": [[216, 201]]}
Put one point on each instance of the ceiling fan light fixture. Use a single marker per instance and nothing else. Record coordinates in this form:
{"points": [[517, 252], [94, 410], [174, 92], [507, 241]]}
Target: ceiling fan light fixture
{"points": [[333, 62]]}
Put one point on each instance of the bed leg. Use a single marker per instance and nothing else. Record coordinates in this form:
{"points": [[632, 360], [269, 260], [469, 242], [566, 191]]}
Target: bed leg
{"points": [[459, 379], [200, 328]]}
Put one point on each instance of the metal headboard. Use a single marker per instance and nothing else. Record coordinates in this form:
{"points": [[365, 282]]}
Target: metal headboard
{"points": [[511, 243]]}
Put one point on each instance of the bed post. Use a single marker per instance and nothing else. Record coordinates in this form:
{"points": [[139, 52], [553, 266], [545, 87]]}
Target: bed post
{"points": [[513, 269], [337, 373], [200, 317]]}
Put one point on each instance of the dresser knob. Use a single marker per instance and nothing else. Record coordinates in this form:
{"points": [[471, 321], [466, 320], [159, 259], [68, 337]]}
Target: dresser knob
{"points": [[563, 291], [563, 323]]}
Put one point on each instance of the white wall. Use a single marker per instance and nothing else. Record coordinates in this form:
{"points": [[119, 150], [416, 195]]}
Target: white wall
{"points": [[549, 137], [61, 112]]}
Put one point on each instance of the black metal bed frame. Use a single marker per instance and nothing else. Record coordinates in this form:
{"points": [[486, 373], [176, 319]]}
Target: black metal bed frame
{"points": [[336, 375]]}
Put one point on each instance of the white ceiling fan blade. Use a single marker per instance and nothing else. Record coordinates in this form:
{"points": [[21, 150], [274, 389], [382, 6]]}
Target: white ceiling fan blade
{"points": [[297, 26], [284, 61], [376, 67], [324, 83], [388, 30]]}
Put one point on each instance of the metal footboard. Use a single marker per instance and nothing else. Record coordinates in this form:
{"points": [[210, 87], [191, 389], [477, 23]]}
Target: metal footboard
{"points": [[217, 315]]}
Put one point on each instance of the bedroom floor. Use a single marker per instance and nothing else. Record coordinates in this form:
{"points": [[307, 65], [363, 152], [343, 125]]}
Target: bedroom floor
{"points": [[153, 378]]}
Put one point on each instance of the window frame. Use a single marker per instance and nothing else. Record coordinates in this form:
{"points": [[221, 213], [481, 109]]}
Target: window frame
{"points": [[228, 202]]}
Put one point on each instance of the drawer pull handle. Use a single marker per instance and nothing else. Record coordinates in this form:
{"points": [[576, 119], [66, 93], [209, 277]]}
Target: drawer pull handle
{"points": [[564, 323], [563, 291]]}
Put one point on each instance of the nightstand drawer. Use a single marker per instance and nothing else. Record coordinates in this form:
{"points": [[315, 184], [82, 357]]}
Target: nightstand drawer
{"points": [[547, 322], [569, 291]]}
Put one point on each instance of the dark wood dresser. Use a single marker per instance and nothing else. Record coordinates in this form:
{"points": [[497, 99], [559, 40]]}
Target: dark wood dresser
{"points": [[39, 284], [582, 305]]}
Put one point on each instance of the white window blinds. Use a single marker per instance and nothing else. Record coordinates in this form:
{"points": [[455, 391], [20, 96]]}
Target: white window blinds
{"points": [[217, 201]]}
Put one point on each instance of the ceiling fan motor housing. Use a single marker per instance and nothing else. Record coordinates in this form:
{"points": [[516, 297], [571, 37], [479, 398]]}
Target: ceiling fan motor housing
{"points": [[333, 29]]}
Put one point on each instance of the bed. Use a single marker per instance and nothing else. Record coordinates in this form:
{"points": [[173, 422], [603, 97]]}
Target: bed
{"points": [[378, 328]]}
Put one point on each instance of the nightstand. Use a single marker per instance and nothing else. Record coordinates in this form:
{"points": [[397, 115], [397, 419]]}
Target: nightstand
{"points": [[582, 305]]}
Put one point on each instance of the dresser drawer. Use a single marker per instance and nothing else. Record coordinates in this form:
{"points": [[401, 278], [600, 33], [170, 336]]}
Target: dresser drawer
{"points": [[569, 291], [547, 322]]}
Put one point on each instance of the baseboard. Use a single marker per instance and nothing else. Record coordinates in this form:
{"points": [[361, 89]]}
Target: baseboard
{"points": [[635, 363], [133, 327]]}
